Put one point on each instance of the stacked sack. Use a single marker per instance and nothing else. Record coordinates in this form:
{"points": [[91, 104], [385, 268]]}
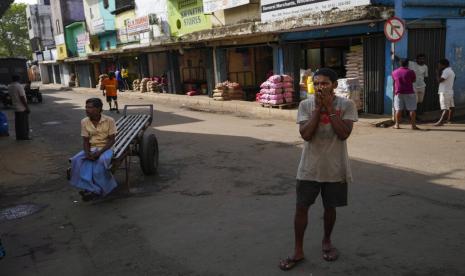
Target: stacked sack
{"points": [[220, 93], [143, 85], [136, 85], [278, 89], [153, 86], [100, 80], [350, 88], [234, 90]]}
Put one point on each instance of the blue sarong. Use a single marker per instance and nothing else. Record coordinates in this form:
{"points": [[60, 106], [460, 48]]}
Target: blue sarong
{"points": [[93, 176]]}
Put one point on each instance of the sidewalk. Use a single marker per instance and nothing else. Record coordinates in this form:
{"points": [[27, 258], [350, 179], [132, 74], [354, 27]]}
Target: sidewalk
{"points": [[238, 108]]}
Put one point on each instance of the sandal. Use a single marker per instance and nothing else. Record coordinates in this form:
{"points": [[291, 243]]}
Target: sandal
{"points": [[289, 263], [330, 254]]}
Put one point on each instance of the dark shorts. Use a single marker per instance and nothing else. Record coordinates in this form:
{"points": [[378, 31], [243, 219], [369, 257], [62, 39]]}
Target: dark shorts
{"points": [[333, 194], [109, 98]]}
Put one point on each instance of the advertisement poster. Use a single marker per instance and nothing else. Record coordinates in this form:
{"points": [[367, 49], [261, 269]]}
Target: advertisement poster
{"points": [[187, 16], [274, 10], [216, 5]]}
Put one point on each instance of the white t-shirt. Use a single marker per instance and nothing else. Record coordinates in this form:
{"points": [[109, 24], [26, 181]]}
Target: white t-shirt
{"points": [[325, 157], [447, 86], [16, 90], [421, 71]]}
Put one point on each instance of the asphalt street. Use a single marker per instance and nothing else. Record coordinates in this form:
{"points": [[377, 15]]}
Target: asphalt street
{"points": [[223, 199]]}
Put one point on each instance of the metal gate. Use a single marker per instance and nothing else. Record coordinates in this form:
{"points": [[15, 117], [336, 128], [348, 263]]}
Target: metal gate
{"points": [[83, 75], [431, 42], [373, 71]]}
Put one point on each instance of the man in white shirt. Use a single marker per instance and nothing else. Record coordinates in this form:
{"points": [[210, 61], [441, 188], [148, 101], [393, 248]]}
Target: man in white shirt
{"points": [[18, 97], [446, 78], [421, 72]]}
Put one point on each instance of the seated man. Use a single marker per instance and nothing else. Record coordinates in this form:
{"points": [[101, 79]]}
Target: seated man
{"points": [[90, 168]]}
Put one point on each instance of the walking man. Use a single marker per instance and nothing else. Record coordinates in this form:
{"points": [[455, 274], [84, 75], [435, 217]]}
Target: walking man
{"points": [[110, 87], [125, 76], [421, 72], [446, 78], [404, 98], [18, 97], [325, 122]]}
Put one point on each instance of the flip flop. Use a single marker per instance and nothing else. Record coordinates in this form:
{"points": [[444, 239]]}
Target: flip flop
{"points": [[289, 263], [330, 254]]}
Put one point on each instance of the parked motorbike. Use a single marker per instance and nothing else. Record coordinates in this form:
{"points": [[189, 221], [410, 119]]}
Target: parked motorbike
{"points": [[5, 98]]}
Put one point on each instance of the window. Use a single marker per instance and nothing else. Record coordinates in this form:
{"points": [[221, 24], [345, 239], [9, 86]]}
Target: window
{"points": [[106, 4], [29, 25], [46, 2], [91, 14], [108, 45]]}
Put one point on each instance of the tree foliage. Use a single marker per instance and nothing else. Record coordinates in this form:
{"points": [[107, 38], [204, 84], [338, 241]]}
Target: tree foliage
{"points": [[14, 37]]}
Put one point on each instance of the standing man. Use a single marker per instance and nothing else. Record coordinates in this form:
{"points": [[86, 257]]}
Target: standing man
{"points": [[119, 79], [125, 76], [404, 98], [325, 122], [421, 73], [446, 78], [18, 97], [110, 87]]}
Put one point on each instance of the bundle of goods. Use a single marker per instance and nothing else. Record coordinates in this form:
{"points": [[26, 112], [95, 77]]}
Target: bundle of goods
{"points": [[193, 93], [153, 86], [354, 64], [100, 80], [136, 85], [220, 93], [351, 89], [143, 85], [278, 89], [234, 90]]}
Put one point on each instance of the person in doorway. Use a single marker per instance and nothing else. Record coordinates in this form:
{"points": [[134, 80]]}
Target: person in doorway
{"points": [[404, 98], [446, 78], [124, 77], [110, 88], [90, 168], [119, 78], [325, 122], [421, 73], [18, 97]]}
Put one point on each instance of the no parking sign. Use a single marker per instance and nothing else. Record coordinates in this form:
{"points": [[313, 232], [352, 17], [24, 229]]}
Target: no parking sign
{"points": [[394, 29]]}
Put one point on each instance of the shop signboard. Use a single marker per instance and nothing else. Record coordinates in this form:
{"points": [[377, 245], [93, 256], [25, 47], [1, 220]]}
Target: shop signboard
{"points": [[274, 10], [187, 16], [216, 5], [138, 25], [82, 40], [59, 39], [98, 26]]}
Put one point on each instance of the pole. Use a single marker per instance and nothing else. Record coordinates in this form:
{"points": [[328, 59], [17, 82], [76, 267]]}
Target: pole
{"points": [[393, 59]]}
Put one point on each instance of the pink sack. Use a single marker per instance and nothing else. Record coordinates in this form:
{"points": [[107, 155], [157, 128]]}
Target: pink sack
{"points": [[266, 84], [276, 97], [289, 89], [276, 85], [289, 100], [287, 84], [286, 78], [275, 91], [276, 101], [275, 79], [264, 91], [287, 95]]}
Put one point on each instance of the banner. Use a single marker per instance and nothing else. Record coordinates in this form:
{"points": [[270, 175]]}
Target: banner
{"points": [[216, 5], [138, 25], [274, 10], [82, 40], [187, 16]]}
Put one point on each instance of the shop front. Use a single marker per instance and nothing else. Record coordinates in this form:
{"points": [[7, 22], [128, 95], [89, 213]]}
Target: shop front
{"points": [[356, 53]]}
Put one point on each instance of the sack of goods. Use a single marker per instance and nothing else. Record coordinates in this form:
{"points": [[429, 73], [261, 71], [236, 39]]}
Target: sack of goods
{"points": [[228, 90], [350, 88], [136, 85], [143, 85], [278, 89], [100, 80], [220, 94], [153, 86]]}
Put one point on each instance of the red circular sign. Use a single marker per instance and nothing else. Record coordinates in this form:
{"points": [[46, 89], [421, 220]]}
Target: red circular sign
{"points": [[394, 29]]}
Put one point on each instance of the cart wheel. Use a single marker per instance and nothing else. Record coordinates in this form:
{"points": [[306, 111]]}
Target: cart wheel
{"points": [[148, 154]]}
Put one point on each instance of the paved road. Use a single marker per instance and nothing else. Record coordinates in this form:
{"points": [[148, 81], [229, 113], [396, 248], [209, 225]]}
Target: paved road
{"points": [[222, 202]]}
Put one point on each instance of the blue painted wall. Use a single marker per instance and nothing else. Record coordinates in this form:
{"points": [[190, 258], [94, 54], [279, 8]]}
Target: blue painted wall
{"points": [[108, 18], [388, 83], [104, 37], [455, 53]]}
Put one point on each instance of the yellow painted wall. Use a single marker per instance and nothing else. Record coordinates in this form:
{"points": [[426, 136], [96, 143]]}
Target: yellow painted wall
{"points": [[122, 17], [61, 52]]}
